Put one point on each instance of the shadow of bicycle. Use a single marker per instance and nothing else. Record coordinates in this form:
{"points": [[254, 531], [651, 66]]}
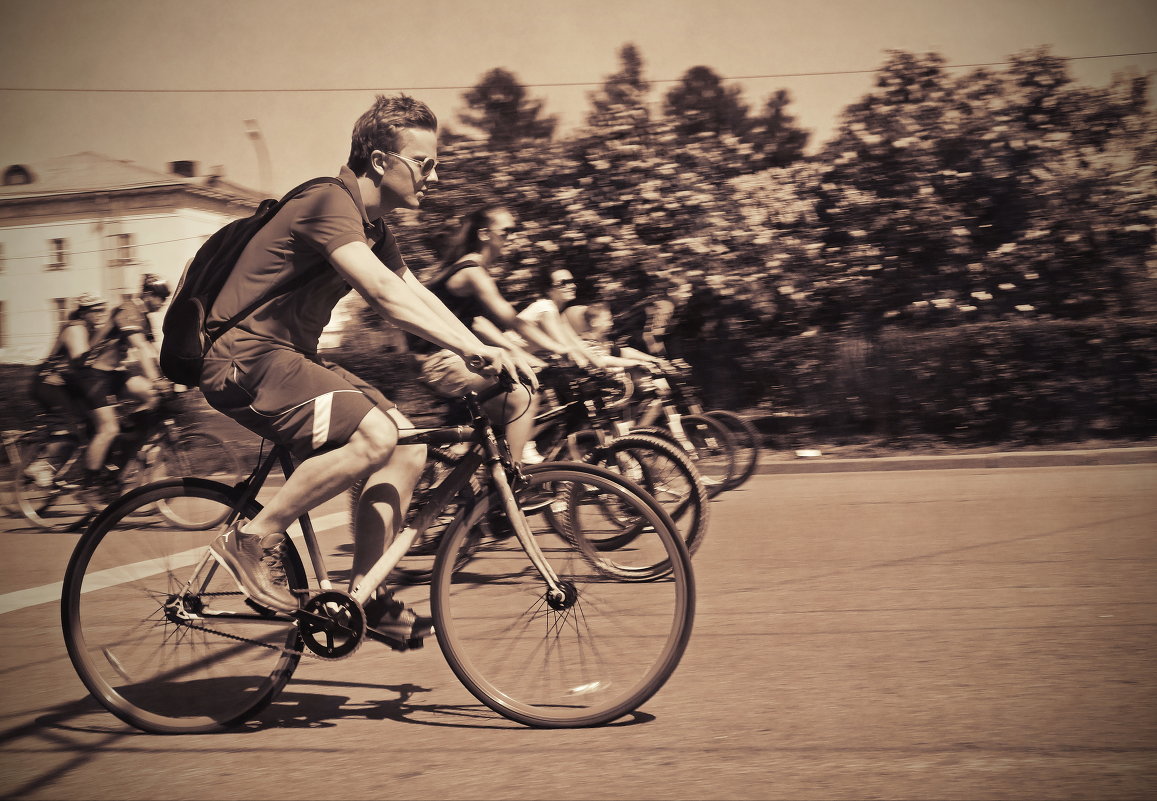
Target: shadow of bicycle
{"points": [[301, 709]]}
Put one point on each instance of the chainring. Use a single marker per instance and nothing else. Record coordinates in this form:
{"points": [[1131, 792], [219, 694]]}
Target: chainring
{"points": [[332, 624]]}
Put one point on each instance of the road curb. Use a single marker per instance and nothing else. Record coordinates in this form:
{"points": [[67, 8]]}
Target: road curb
{"points": [[1070, 458]]}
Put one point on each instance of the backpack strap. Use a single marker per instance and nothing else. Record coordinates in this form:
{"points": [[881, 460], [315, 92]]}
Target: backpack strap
{"points": [[290, 284]]}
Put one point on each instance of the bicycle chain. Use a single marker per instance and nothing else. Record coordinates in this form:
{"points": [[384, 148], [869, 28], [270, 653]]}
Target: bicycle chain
{"points": [[238, 638]]}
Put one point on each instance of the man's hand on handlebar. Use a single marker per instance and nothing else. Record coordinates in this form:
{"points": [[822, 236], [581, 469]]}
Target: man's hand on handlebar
{"points": [[492, 361], [524, 369]]}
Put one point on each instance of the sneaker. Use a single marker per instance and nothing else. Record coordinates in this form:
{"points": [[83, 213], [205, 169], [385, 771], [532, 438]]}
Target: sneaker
{"points": [[97, 490], [258, 565], [41, 473], [391, 621], [530, 454]]}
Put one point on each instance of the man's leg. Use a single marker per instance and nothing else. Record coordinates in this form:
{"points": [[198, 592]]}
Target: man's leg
{"points": [[383, 503], [253, 550], [106, 428], [325, 476], [517, 410]]}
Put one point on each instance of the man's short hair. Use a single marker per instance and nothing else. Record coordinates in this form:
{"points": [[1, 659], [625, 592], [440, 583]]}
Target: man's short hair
{"points": [[379, 127]]}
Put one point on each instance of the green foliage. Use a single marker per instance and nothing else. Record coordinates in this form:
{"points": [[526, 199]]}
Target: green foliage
{"points": [[499, 107], [1018, 381], [942, 202]]}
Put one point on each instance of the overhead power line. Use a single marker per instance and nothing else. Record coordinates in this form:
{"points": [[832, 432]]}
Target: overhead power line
{"points": [[528, 85]]}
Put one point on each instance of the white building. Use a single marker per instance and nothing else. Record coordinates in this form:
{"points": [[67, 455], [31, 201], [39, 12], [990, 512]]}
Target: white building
{"points": [[89, 223]]}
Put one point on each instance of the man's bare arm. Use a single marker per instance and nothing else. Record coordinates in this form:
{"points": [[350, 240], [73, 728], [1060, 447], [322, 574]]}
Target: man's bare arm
{"points": [[392, 297]]}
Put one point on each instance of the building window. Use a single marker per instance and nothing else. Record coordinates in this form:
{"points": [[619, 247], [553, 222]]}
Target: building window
{"points": [[58, 254], [124, 249], [61, 307]]}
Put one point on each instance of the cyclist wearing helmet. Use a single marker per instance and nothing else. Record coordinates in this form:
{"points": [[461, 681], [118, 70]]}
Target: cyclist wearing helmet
{"points": [[56, 389], [106, 379]]}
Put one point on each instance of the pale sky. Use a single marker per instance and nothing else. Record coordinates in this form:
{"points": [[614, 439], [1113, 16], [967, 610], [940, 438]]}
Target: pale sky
{"points": [[327, 59]]}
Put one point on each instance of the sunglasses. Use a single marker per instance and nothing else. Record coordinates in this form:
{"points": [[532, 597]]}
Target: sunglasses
{"points": [[565, 282], [425, 166]]}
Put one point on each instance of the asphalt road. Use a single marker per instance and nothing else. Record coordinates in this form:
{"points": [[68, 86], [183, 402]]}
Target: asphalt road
{"points": [[966, 633]]}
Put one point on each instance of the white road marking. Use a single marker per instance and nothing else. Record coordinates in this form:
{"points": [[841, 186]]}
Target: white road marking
{"points": [[50, 593]]}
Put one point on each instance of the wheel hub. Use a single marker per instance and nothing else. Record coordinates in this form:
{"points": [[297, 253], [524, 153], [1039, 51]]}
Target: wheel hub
{"points": [[563, 599]]}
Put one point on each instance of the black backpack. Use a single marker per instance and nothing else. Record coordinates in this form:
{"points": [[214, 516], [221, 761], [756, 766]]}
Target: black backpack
{"points": [[187, 336]]}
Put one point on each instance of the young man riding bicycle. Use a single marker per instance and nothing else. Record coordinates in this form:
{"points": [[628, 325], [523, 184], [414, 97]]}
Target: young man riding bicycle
{"points": [[266, 374]]}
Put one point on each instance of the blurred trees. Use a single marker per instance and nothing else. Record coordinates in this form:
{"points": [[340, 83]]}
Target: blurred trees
{"points": [[994, 194], [938, 200], [942, 199], [700, 103], [500, 108]]}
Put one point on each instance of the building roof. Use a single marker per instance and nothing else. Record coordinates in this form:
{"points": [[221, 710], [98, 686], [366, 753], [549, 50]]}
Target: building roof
{"points": [[94, 172]]}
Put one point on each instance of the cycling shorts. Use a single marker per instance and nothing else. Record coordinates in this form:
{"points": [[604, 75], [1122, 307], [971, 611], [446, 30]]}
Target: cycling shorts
{"points": [[444, 372], [101, 388], [305, 403], [64, 407]]}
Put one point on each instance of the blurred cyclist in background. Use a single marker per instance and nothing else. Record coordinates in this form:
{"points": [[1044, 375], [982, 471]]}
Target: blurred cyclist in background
{"points": [[56, 388], [465, 285], [106, 380]]}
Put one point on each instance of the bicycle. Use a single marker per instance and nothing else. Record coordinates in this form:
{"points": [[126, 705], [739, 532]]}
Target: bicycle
{"points": [[539, 625], [578, 429], [745, 436], [48, 480], [586, 426], [706, 440]]}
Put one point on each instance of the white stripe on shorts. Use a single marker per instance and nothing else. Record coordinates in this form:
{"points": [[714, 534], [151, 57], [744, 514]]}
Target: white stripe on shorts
{"points": [[322, 407]]}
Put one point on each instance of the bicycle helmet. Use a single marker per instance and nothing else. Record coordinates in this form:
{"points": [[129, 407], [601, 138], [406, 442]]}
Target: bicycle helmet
{"points": [[152, 284], [88, 301]]}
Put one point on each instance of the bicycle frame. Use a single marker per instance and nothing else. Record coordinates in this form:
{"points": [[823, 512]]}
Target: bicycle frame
{"points": [[583, 413], [484, 448]]}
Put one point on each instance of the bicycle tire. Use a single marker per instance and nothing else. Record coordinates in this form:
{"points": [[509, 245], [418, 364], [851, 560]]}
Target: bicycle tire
{"points": [[666, 473], [59, 507], [9, 504], [599, 655], [707, 445], [146, 666], [746, 439], [193, 454]]}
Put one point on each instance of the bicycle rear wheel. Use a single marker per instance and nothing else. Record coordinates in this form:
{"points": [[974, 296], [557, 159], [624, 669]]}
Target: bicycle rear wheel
{"points": [[595, 653], [158, 632], [745, 437], [200, 454]]}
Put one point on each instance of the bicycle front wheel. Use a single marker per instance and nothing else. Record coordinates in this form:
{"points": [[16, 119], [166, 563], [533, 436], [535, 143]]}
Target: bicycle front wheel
{"points": [[588, 654], [158, 632], [713, 452], [200, 454], [55, 504], [745, 438], [665, 472]]}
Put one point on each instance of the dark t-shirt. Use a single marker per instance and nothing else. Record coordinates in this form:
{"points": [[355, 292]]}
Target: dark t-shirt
{"points": [[464, 307], [110, 344], [299, 239]]}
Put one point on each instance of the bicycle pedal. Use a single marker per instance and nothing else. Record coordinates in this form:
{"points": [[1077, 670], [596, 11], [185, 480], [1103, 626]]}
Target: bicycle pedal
{"points": [[412, 644]]}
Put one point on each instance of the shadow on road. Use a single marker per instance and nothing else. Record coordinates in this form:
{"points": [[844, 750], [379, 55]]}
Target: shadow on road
{"points": [[96, 731], [316, 710]]}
